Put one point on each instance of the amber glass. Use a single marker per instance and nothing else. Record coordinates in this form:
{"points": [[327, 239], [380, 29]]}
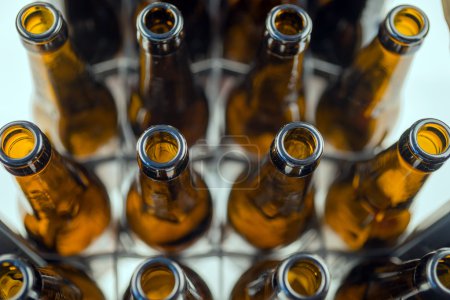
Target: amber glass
{"points": [[271, 207], [94, 29], [357, 111], [368, 205], [76, 112], [168, 206], [272, 94], [243, 26], [299, 277], [162, 278], [420, 279], [196, 22], [167, 93], [70, 206]]}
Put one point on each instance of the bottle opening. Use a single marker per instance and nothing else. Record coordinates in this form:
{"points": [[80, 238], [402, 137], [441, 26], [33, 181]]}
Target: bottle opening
{"points": [[299, 143], [409, 22], [17, 142], [37, 20], [443, 271], [304, 278], [433, 138], [159, 20], [11, 281], [158, 279], [161, 147], [289, 22]]}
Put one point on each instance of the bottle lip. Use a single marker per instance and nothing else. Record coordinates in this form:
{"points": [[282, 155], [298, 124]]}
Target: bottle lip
{"points": [[282, 276], [290, 165], [49, 39], [278, 35], [167, 170], [26, 291], [179, 284], [431, 271]]}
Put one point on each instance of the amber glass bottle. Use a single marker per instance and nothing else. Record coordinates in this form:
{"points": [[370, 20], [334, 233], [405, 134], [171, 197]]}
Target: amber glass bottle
{"points": [[299, 277], [272, 206], [369, 204], [76, 112], [243, 26], [422, 279], [70, 205], [272, 94], [168, 206], [162, 278], [197, 24], [167, 93], [357, 111]]}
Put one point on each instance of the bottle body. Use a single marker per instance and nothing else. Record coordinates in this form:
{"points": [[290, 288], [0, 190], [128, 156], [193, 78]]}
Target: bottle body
{"points": [[358, 111], [178, 204], [167, 93], [70, 206], [77, 112], [271, 208], [368, 206]]}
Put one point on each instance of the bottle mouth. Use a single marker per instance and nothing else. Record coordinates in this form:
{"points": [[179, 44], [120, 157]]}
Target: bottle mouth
{"points": [[289, 22], [15, 277], [157, 278], [439, 271], [160, 22], [304, 276], [162, 152], [406, 26], [297, 149], [39, 23]]}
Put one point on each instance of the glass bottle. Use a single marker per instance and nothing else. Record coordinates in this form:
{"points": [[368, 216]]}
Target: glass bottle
{"points": [[243, 26], [426, 278], [357, 111], [197, 25], [272, 93], [271, 207], [301, 276], [167, 93], [368, 205], [70, 207], [168, 206], [163, 278], [76, 112]]}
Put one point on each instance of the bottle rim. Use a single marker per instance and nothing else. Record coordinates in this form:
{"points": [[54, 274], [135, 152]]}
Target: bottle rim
{"points": [[174, 267], [169, 169], [160, 37], [431, 271], [418, 151], [27, 272], [277, 34], [282, 276]]}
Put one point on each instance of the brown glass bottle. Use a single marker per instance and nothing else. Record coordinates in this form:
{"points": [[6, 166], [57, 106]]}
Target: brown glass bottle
{"points": [[368, 206], [196, 23], [70, 205], [163, 278], [301, 276], [271, 207], [357, 111], [167, 93], [243, 26], [426, 278], [169, 206], [272, 94], [76, 112]]}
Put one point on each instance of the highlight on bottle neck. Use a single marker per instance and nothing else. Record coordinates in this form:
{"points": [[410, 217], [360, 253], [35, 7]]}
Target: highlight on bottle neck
{"points": [[426, 144], [158, 278], [16, 278], [296, 149], [41, 27], [160, 28], [303, 276], [24, 149], [404, 29], [288, 30], [162, 152], [437, 273]]}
